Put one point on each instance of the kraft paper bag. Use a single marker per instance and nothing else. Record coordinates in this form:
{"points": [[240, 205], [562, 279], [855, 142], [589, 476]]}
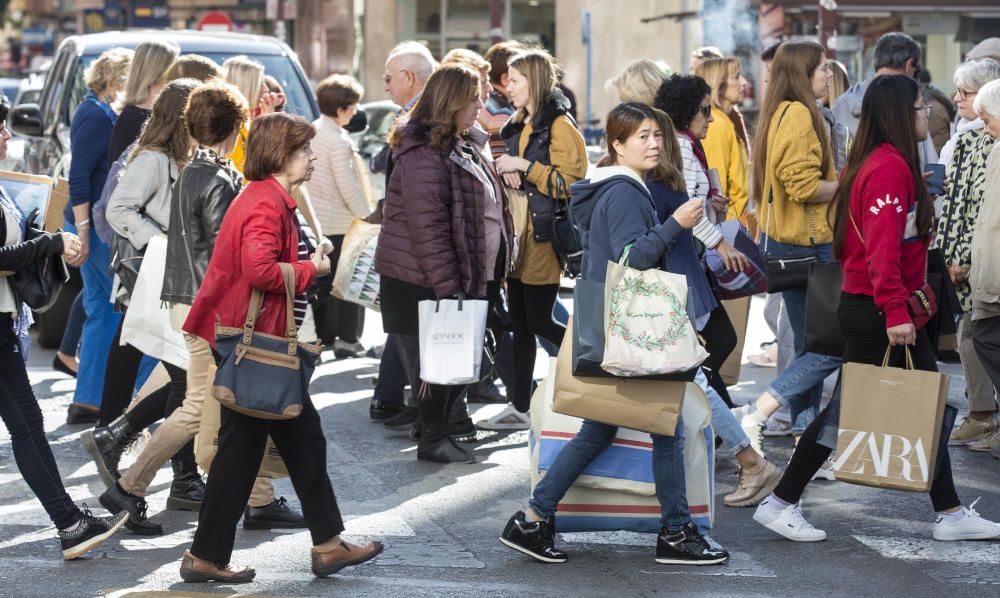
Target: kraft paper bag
{"points": [[616, 490], [206, 444], [890, 426], [739, 315], [647, 405]]}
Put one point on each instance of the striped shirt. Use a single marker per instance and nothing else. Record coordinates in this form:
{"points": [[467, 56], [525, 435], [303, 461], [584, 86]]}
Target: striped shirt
{"points": [[696, 181], [301, 301]]}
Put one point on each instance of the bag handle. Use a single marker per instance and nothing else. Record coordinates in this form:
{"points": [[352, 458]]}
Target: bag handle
{"points": [[257, 301], [909, 357], [770, 190], [623, 261]]}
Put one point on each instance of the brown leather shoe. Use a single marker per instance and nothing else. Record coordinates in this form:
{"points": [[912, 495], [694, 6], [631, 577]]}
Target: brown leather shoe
{"points": [[198, 570], [345, 555]]}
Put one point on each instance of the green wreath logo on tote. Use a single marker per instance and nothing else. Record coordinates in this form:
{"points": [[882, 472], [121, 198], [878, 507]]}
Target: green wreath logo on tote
{"points": [[632, 285]]}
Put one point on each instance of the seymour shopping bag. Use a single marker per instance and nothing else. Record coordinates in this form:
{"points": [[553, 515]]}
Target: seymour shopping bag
{"points": [[452, 333], [647, 328], [890, 425], [616, 490], [356, 280]]}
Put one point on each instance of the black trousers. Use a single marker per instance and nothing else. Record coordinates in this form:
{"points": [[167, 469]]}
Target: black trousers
{"points": [[120, 375], [986, 340], [335, 318], [866, 342], [242, 440], [531, 310], [720, 340], [434, 400]]}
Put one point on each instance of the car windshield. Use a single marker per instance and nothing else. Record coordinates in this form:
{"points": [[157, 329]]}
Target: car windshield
{"points": [[278, 66]]}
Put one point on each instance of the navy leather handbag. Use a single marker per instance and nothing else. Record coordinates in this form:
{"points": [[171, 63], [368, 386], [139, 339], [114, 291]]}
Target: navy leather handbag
{"points": [[262, 375]]}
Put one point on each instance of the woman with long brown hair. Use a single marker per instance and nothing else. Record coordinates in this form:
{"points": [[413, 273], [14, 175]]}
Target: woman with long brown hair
{"points": [[882, 220], [446, 232], [543, 145], [793, 180]]}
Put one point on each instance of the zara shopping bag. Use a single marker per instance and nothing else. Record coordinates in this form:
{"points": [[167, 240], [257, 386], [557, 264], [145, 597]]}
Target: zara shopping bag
{"points": [[356, 280], [616, 491], [890, 425], [452, 332], [147, 321], [647, 327]]}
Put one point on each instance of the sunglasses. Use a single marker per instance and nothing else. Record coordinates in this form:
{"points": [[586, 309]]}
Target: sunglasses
{"points": [[706, 110]]}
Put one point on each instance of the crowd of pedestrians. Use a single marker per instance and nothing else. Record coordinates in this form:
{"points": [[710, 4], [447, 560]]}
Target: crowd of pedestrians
{"points": [[254, 207]]}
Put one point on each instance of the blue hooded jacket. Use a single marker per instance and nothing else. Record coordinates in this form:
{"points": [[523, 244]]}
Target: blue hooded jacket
{"points": [[613, 209]]}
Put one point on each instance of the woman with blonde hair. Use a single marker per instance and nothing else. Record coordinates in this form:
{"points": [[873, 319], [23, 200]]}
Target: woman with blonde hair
{"points": [[90, 134], [726, 141], [146, 79], [543, 146], [639, 81], [248, 76]]}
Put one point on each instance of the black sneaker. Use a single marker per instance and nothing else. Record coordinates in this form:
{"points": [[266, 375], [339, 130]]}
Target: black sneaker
{"points": [[402, 421], [91, 532], [687, 547], [535, 539], [115, 500], [382, 410], [277, 515]]}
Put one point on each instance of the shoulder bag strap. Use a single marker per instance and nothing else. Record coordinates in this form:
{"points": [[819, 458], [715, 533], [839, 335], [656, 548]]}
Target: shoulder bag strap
{"points": [[770, 190], [858, 230], [257, 301]]}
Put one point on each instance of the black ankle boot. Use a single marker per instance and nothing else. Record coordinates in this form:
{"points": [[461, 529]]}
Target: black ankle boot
{"points": [[106, 445], [436, 445], [188, 489], [460, 425]]}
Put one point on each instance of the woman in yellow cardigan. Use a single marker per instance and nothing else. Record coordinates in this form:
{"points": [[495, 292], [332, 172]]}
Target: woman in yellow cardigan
{"points": [[726, 142], [794, 180]]}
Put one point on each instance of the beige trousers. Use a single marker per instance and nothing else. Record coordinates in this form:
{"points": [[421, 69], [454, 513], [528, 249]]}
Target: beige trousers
{"points": [[181, 427]]}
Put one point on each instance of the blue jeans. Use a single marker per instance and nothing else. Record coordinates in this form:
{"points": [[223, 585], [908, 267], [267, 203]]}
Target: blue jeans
{"points": [[74, 327], [23, 420], [800, 385], [723, 421], [594, 437], [101, 325]]}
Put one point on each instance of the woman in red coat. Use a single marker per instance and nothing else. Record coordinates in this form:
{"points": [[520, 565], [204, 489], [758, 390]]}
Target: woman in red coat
{"points": [[260, 231]]}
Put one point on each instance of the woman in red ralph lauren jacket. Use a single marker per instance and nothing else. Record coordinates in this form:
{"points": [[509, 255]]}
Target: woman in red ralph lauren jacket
{"points": [[882, 228], [259, 231], [446, 232]]}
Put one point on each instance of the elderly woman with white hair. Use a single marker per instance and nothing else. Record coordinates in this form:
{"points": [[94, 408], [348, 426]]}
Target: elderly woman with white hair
{"points": [[984, 276], [969, 77], [959, 211]]}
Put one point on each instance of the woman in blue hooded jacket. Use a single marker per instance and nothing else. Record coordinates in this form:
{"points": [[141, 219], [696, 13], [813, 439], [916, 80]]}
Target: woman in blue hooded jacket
{"points": [[614, 209]]}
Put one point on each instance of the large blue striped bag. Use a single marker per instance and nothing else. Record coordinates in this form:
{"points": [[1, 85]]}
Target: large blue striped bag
{"points": [[616, 490]]}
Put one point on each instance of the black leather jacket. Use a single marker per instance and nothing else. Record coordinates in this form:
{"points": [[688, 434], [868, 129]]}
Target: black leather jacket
{"points": [[201, 196]]}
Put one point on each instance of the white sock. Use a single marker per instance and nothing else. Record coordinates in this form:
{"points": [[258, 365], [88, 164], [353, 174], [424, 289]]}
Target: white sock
{"points": [[73, 527], [776, 504], [952, 518]]}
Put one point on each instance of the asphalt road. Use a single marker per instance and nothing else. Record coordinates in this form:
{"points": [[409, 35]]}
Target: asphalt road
{"points": [[440, 523]]}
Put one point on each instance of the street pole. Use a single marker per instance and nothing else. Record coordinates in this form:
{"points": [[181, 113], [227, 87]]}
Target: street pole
{"points": [[496, 21]]}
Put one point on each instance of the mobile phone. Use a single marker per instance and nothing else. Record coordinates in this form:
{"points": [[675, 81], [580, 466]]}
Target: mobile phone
{"points": [[935, 182]]}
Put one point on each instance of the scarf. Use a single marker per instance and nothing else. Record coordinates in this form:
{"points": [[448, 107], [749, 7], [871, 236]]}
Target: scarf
{"points": [[24, 320], [699, 152]]}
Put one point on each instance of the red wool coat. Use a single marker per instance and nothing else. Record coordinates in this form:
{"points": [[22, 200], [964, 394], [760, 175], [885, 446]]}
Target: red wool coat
{"points": [[259, 231]]}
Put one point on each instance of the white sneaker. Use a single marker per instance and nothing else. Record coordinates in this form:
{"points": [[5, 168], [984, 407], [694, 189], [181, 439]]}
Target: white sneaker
{"points": [[970, 527], [754, 431], [508, 419], [825, 472], [788, 522]]}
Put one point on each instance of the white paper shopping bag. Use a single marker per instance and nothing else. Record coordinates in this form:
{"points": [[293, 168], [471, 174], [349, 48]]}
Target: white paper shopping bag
{"points": [[451, 340], [147, 321]]}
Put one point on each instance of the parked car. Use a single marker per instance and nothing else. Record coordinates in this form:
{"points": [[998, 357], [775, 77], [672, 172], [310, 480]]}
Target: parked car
{"points": [[45, 124], [372, 139]]}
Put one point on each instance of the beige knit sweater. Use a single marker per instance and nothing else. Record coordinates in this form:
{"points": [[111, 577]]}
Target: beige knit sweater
{"points": [[339, 186]]}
